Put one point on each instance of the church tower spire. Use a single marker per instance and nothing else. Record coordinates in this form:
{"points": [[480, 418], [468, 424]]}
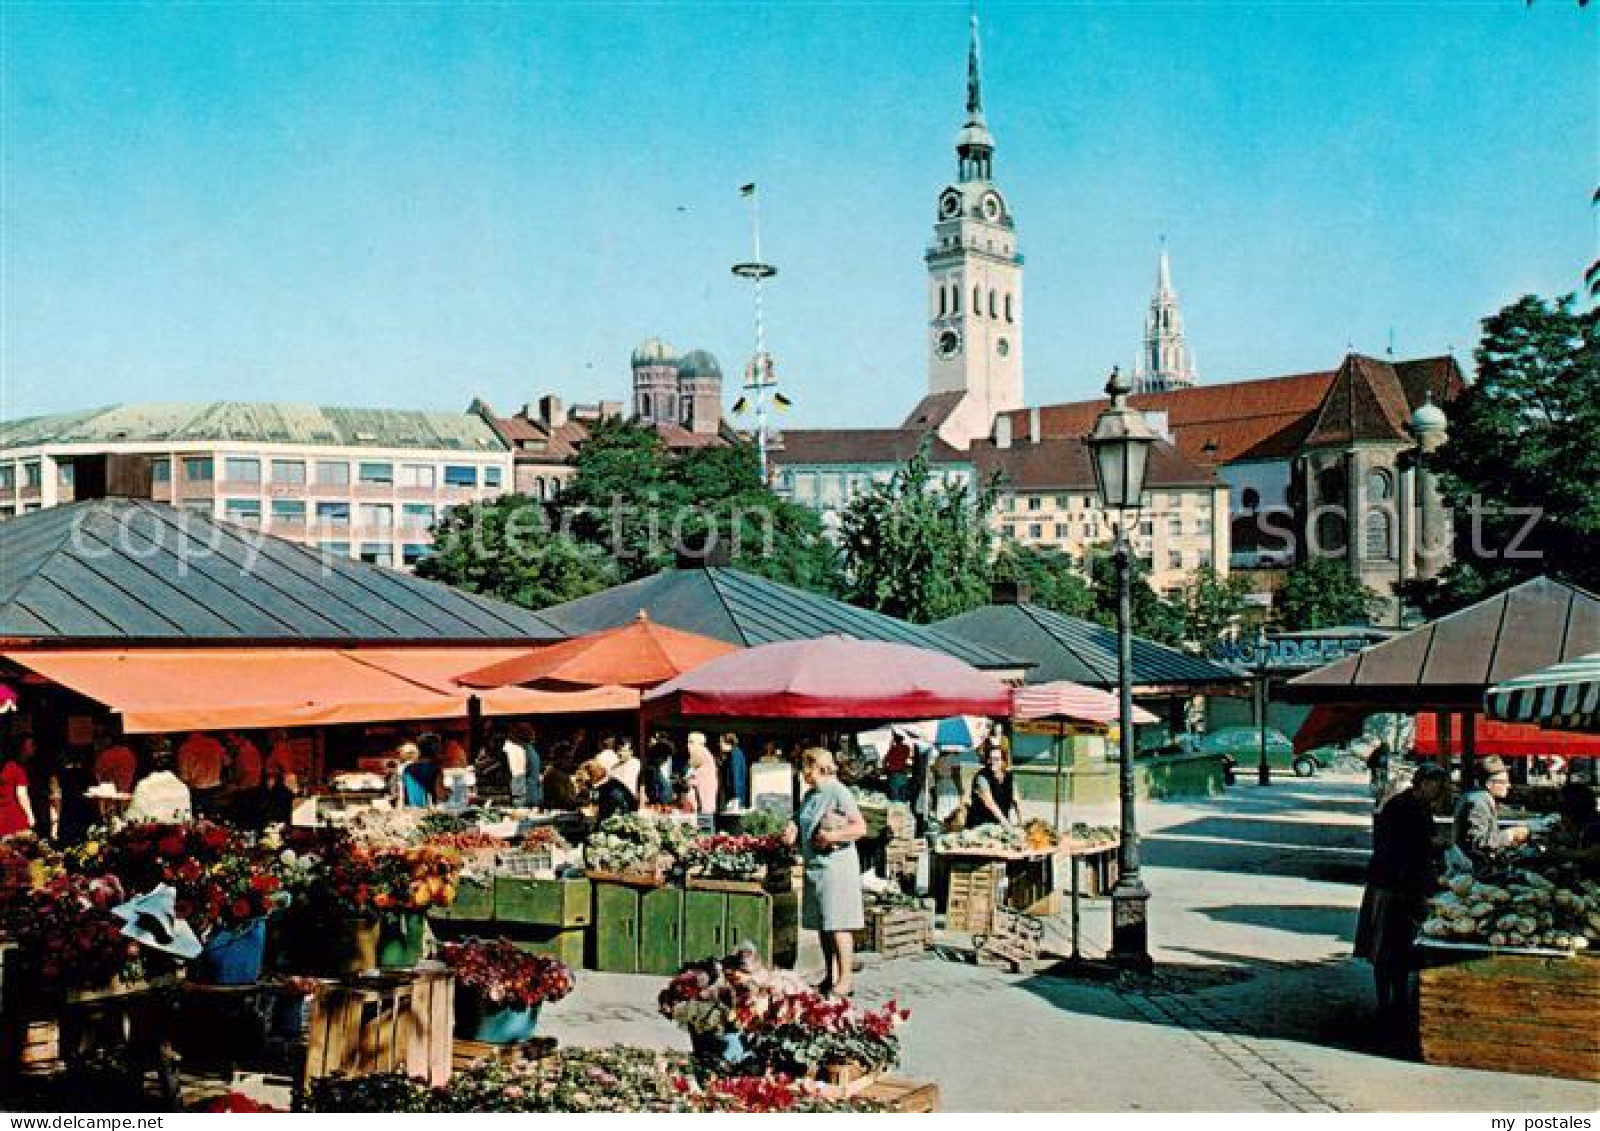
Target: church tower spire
{"points": [[974, 281], [1164, 360]]}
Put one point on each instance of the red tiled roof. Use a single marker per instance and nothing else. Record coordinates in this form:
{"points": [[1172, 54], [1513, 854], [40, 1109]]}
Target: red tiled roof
{"points": [[859, 445], [933, 410], [1063, 464], [1365, 402], [1268, 418], [678, 438]]}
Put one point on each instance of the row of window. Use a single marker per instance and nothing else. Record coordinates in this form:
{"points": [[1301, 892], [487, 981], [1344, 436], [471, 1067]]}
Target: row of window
{"points": [[376, 553], [416, 516], [1083, 502], [32, 475], [329, 473], [998, 306]]}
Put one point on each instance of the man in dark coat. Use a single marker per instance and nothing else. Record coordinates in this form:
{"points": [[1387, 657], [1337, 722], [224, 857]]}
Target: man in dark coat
{"points": [[1402, 874]]}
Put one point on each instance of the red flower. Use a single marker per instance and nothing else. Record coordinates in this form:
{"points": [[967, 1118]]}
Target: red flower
{"points": [[241, 909], [171, 845]]}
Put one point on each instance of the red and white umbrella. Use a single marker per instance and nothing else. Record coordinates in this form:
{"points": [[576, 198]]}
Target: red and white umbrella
{"points": [[1072, 702]]}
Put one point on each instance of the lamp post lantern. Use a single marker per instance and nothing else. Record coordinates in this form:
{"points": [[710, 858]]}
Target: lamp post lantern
{"points": [[1119, 448]]}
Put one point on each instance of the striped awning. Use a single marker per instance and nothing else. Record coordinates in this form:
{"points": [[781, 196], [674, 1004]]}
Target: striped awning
{"points": [[1072, 702], [1564, 696]]}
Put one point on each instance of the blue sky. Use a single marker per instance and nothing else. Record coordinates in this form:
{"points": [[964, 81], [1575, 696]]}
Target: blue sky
{"points": [[411, 204]]}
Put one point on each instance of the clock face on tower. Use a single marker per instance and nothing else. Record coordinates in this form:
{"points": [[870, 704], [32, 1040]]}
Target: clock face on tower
{"points": [[992, 209], [947, 342], [949, 205]]}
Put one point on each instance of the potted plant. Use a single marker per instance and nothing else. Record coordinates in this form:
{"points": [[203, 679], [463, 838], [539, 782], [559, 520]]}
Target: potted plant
{"points": [[226, 881], [500, 988], [68, 941], [331, 926], [406, 881], [637, 849], [740, 859]]}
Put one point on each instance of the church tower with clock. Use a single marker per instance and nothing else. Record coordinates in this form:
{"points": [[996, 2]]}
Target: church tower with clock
{"points": [[974, 283]]}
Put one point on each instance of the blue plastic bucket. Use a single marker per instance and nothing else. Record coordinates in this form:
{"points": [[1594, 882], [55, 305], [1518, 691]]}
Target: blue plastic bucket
{"points": [[478, 1020], [233, 958]]}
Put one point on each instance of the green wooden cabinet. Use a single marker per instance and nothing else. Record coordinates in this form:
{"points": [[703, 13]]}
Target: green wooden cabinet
{"points": [[616, 927], [566, 943], [705, 932], [749, 920], [473, 901], [543, 903], [661, 931]]}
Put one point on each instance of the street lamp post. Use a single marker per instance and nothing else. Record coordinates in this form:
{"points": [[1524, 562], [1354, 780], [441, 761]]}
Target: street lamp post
{"points": [[1120, 448]]}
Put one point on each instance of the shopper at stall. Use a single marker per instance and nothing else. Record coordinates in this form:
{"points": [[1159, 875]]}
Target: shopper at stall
{"points": [[160, 795], [702, 774], [626, 770], [1402, 873], [37, 768], [610, 797], [559, 790], [245, 763], [75, 812], [422, 780], [897, 768], [826, 828], [115, 763], [1477, 816], [733, 774], [491, 769], [16, 807], [994, 792], [656, 773]]}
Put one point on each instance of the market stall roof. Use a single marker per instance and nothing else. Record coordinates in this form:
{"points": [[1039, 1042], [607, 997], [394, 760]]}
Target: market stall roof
{"points": [[741, 608], [832, 680], [1564, 696], [1072, 702], [639, 654], [158, 690], [1080, 651], [1505, 740], [439, 670], [1449, 663], [122, 571]]}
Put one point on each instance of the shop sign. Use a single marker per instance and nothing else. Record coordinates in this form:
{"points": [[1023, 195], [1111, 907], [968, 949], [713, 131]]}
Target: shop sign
{"points": [[1289, 653]]}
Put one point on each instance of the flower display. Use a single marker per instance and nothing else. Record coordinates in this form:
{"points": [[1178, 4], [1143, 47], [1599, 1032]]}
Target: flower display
{"points": [[630, 843], [66, 936], [786, 1026], [334, 875], [223, 878], [615, 1079], [738, 857], [26, 861], [505, 975]]}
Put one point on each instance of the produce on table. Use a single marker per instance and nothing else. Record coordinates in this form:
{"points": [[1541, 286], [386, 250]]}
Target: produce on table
{"points": [[1520, 909], [631, 843], [998, 840]]}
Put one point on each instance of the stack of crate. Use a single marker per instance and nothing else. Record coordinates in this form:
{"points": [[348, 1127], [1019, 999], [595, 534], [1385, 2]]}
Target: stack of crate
{"points": [[901, 858], [896, 932], [974, 893]]}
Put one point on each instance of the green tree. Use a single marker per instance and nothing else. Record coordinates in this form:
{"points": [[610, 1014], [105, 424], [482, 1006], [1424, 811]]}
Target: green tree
{"points": [[1211, 604], [506, 548], [641, 503], [1523, 456], [1051, 577], [1154, 617], [1322, 593], [915, 548]]}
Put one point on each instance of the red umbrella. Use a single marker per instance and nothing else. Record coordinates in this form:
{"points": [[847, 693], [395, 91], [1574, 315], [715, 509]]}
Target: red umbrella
{"points": [[834, 678], [641, 654], [1064, 699]]}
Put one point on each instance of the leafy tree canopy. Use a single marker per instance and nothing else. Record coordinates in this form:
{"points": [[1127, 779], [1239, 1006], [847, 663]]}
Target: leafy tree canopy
{"points": [[1525, 444], [1052, 578], [1154, 617], [1322, 593], [505, 548], [918, 549], [1211, 604]]}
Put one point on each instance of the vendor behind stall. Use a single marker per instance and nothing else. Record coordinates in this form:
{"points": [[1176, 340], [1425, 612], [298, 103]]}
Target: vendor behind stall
{"points": [[610, 797], [1477, 817], [994, 791], [160, 795], [421, 778]]}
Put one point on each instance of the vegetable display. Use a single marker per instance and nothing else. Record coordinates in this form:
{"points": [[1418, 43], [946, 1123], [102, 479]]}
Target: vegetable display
{"points": [[1520, 909]]}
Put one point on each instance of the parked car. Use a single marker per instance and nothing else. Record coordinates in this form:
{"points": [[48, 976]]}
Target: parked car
{"points": [[1240, 748]]}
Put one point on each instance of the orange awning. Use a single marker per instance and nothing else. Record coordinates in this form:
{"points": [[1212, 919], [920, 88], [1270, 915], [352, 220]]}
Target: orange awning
{"points": [[439, 669], [158, 690], [639, 654]]}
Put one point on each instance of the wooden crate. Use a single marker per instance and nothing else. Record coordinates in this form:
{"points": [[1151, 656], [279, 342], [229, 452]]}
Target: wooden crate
{"points": [[1030, 886], [1511, 1012], [1014, 942], [535, 1048], [368, 1026], [973, 886], [901, 856], [906, 1097], [474, 901], [30, 1048], [543, 903], [895, 932]]}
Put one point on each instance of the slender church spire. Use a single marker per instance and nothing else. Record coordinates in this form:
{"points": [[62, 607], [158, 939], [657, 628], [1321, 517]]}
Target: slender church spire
{"points": [[1164, 359], [974, 144]]}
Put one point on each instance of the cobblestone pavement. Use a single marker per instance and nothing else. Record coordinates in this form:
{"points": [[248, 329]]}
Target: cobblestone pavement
{"points": [[1255, 1006]]}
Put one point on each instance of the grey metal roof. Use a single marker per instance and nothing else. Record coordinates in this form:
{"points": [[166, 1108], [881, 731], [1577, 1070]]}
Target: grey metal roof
{"points": [[742, 608], [1452, 661], [1069, 648], [112, 570], [268, 423]]}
